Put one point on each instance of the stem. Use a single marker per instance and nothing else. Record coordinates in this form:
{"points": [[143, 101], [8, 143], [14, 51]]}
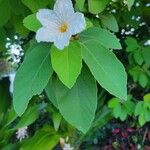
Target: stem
{"points": [[144, 137]]}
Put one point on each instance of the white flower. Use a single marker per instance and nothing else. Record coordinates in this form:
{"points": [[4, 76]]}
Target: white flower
{"points": [[67, 147], [147, 43], [59, 24], [14, 50], [22, 133]]}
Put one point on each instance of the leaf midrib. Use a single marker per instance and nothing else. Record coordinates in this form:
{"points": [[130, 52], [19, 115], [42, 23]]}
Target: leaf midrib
{"points": [[98, 63], [38, 70]]}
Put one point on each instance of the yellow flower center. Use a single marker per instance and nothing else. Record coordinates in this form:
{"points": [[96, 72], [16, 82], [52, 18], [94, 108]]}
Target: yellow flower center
{"points": [[63, 28]]}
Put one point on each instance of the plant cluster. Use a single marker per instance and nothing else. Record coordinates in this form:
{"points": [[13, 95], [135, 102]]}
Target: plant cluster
{"points": [[74, 72]]}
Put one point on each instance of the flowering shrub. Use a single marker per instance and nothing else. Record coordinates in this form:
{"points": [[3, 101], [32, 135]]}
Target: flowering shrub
{"points": [[68, 62]]}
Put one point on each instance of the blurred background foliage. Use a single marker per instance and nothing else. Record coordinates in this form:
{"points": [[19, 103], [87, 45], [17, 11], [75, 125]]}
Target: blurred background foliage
{"points": [[117, 124]]}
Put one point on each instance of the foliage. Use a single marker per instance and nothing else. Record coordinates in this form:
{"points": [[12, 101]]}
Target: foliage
{"points": [[102, 75]]}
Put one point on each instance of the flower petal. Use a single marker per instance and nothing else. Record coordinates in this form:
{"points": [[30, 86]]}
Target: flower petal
{"points": [[63, 7], [62, 40], [46, 34], [46, 16], [77, 23]]}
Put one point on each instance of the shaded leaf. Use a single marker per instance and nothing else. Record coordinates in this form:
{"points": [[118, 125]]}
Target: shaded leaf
{"points": [[32, 77], [78, 105]]}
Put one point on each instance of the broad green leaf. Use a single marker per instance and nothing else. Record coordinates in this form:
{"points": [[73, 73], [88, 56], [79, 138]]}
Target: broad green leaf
{"points": [[4, 12], [32, 77], [78, 105], [138, 108], [130, 4], [113, 103], [135, 72], [104, 37], [31, 23], [147, 97], [19, 27], [110, 22], [147, 116], [138, 57], [18, 8], [106, 68], [117, 111], [11, 146], [123, 114], [3, 37], [129, 105], [147, 101], [50, 92], [28, 117], [97, 6], [79, 4], [132, 44], [35, 5], [146, 54], [143, 79], [46, 139], [142, 119], [67, 63]]}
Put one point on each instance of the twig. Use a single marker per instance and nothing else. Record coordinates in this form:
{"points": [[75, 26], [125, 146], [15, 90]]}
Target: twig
{"points": [[145, 133]]}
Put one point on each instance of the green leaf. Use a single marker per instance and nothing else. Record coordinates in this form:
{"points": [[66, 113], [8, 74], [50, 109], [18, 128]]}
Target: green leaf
{"points": [[4, 12], [32, 77], [132, 44], [11, 116], [50, 92], [67, 63], [18, 8], [35, 5], [2, 39], [113, 103], [147, 101], [79, 4], [130, 4], [110, 22], [143, 79], [97, 6], [147, 97], [147, 116], [135, 72], [106, 68], [129, 105], [138, 108], [104, 37], [138, 57], [46, 139], [28, 117], [117, 111], [142, 120], [31, 23], [19, 27], [78, 105], [146, 54], [123, 114], [56, 120]]}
